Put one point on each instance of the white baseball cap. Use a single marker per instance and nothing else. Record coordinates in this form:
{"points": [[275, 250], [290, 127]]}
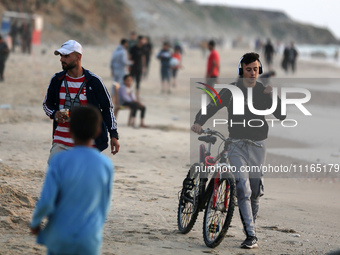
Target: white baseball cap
{"points": [[69, 47]]}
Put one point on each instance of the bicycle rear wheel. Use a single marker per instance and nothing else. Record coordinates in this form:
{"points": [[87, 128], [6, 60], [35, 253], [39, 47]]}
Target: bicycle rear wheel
{"points": [[188, 201], [219, 210]]}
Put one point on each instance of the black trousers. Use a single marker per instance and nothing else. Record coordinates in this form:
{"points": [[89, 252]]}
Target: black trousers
{"points": [[134, 107], [2, 69], [137, 75]]}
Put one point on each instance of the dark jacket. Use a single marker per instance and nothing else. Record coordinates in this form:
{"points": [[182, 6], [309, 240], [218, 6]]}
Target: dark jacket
{"points": [[261, 101], [96, 94]]}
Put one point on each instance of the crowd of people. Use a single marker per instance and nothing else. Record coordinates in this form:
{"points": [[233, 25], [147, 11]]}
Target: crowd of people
{"points": [[130, 63], [77, 131], [289, 54], [75, 139], [21, 35]]}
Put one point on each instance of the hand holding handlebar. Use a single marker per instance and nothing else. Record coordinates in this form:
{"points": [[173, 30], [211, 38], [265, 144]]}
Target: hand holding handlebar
{"points": [[197, 128]]}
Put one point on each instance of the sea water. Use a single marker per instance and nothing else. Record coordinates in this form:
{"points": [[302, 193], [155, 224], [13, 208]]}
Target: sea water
{"points": [[324, 53]]}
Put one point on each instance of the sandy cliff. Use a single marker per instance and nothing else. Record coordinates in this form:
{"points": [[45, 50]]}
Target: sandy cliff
{"points": [[100, 22]]}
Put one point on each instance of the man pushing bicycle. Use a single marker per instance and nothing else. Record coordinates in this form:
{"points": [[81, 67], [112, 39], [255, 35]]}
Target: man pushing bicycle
{"points": [[249, 185]]}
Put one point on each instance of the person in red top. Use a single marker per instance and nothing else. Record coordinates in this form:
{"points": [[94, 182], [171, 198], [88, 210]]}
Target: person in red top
{"points": [[175, 63], [213, 66]]}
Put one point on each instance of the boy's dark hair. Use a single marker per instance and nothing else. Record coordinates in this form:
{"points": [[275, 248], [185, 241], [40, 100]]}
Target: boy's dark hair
{"points": [[126, 76], [212, 43], [84, 122], [123, 41], [250, 58], [140, 37]]}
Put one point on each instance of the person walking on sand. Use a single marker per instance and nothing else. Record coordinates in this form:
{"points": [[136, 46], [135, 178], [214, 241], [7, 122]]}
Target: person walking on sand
{"points": [[137, 55], [176, 64], [284, 63], [72, 87], [4, 52], [120, 61], [164, 56], [249, 185], [269, 53], [213, 64], [127, 98], [289, 58], [292, 56], [148, 48], [77, 191]]}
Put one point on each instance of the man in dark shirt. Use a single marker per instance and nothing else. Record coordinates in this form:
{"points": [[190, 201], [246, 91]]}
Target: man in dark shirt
{"points": [[249, 185], [133, 40], [137, 55], [148, 47], [4, 52], [292, 55], [269, 53]]}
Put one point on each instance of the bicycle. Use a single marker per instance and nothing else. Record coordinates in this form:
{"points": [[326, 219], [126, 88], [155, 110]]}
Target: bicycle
{"points": [[216, 196]]}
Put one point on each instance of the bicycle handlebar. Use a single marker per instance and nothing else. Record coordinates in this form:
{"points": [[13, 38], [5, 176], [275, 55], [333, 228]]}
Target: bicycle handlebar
{"points": [[229, 140], [214, 132]]}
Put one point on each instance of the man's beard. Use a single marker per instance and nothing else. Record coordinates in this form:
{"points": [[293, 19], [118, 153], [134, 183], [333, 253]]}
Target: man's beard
{"points": [[69, 66]]}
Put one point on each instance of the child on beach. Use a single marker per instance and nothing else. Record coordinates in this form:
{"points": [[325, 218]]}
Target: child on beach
{"points": [[127, 98], [175, 63], [77, 191]]}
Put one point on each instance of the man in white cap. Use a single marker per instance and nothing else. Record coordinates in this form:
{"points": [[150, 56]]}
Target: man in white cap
{"points": [[72, 87]]}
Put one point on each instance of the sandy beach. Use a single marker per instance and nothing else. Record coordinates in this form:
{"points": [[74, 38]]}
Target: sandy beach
{"points": [[298, 215]]}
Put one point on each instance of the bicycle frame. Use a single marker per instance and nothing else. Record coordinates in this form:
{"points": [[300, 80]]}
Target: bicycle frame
{"points": [[221, 158], [213, 182]]}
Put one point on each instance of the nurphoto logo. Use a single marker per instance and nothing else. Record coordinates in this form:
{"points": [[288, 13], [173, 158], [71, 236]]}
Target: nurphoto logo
{"points": [[238, 103]]}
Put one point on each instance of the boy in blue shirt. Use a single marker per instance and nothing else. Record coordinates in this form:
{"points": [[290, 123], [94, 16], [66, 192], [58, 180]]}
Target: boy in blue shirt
{"points": [[77, 192]]}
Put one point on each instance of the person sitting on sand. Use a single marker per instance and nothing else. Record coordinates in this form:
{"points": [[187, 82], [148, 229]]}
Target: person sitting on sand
{"points": [[76, 194], [127, 98]]}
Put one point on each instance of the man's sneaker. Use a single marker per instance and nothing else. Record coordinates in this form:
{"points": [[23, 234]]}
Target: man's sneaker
{"points": [[250, 242]]}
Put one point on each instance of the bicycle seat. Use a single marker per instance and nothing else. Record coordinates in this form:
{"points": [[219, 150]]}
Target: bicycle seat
{"points": [[208, 139]]}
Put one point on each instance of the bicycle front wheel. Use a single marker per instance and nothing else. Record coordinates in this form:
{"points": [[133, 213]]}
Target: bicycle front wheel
{"points": [[188, 201], [219, 210]]}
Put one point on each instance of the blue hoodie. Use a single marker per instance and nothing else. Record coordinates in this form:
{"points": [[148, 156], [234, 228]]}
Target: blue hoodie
{"points": [[75, 198]]}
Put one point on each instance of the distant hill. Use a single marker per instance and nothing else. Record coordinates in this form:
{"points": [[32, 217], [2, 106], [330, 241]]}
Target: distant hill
{"points": [[89, 21], [164, 17], [106, 21]]}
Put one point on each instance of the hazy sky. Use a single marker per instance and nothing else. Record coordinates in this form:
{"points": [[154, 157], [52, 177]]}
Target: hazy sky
{"points": [[324, 13]]}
